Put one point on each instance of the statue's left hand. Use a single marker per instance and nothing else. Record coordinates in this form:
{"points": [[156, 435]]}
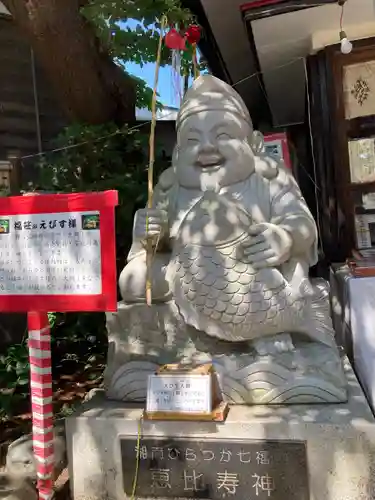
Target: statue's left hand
{"points": [[268, 246]]}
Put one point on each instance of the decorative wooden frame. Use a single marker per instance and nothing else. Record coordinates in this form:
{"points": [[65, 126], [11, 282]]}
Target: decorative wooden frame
{"points": [[361, 268], [220, 409], [330, 130]]}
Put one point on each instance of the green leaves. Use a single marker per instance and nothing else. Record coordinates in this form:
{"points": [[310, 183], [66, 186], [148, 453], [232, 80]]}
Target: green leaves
{"points": [[52, 318], [79, 343], [14, 378], [107, 157], [130, 31], [147, 11]]}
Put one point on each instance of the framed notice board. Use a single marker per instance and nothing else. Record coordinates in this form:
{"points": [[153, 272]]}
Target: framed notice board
{"points": [[57, 253]]}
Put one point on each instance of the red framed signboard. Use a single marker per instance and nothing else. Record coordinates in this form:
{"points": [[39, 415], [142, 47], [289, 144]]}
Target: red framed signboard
{"points": [[57, 252], [255, 4], [259, 4], [277, 145]]}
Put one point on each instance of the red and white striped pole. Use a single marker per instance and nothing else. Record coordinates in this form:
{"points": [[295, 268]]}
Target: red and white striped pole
{"points": [[41, 400]]}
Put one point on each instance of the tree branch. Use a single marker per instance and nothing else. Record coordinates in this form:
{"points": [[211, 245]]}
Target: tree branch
{"points": [[90, 87]]}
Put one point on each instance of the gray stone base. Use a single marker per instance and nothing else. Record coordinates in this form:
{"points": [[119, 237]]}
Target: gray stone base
{"points": [[340, 442], [141, 338], [15, 488], [20, 459]]}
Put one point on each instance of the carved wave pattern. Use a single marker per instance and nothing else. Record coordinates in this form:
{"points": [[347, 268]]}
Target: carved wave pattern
{"points": [[260, 383], [129, 382]]}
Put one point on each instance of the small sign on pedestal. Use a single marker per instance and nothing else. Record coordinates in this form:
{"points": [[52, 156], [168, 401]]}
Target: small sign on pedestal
{"points": [[176, 392]]}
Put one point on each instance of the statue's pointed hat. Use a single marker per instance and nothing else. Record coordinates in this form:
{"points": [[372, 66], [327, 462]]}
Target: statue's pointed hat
{"points": [[208, 93]]}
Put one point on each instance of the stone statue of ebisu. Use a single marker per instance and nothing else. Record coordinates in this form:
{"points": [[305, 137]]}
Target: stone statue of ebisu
{"points": [[233, 240]]}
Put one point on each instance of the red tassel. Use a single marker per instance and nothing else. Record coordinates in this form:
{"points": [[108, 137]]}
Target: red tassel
{"points": [[193, 34], [174, 41]]}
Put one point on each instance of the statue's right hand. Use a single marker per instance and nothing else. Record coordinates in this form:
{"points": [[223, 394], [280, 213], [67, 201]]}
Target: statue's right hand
{"points": [[155, 228]]}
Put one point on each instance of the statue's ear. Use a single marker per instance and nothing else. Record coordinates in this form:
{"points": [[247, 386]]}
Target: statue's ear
{"points": [[257, 142], [175, 155], [265, 165], [167, 179]]}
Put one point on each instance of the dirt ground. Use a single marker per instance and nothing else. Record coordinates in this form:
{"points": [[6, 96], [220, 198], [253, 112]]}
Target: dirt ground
{"points": [[71, 391]]}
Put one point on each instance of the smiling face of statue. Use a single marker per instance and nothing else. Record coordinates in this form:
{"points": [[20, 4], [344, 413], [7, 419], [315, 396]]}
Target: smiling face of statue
{"points": [[213, 150]]}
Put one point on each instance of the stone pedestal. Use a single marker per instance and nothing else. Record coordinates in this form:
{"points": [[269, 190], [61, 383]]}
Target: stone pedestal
{"points": [[141, 338], [353, 306], [338, 441]]}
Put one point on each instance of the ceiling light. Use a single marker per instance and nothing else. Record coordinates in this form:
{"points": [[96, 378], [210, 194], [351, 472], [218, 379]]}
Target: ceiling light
{"points": [[346, 44]]}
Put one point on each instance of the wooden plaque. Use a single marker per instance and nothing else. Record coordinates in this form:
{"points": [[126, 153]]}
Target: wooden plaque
{"points": [[361, 268]]}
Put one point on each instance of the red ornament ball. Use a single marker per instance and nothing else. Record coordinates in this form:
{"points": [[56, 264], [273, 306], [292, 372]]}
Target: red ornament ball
{"points": [[193, 34], [174, 40]]}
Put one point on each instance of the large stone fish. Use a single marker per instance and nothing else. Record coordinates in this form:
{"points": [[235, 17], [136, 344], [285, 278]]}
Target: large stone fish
{"points": [[218, 292]]}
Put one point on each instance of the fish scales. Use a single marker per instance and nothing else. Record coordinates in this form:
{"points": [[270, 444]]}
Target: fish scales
{"points": [[213, 281], [246, 307]]}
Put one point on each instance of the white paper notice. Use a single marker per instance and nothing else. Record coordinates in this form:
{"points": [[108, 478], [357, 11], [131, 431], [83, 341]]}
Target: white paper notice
{"points": [[50, 254], [188, 393]]}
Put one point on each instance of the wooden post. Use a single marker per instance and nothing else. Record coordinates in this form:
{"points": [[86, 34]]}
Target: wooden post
{"points": [[41, 401]]}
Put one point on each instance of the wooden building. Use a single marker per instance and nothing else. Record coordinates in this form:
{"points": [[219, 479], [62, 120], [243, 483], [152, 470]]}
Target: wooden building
{"points": [[29, 113], [29, 119]]}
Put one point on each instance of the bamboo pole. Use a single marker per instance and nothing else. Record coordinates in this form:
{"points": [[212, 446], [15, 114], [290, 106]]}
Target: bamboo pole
{"points": [[150, 185], [195, 63]]}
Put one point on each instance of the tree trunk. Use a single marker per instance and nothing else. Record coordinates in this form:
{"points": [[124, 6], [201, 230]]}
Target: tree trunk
{"points": [[90, 87], [186, 82]]}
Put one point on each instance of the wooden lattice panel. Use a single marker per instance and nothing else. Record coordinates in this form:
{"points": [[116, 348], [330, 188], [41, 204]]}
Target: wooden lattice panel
{"points": [[359, 89]]}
